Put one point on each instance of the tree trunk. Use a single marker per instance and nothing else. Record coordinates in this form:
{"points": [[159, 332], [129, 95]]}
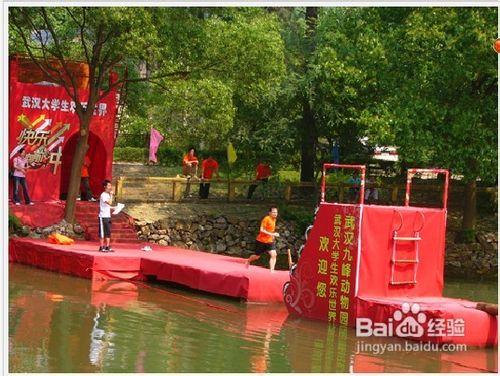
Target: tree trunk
{"points": [[76, 167], [308, 143], [307, 130], [469, 209]]}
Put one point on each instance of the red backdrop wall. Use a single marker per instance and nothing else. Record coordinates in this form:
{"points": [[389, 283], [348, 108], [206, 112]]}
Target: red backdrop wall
{"points": [[42, 118]]}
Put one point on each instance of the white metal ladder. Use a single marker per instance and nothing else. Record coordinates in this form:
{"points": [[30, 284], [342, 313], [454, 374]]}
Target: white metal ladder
{"points": [[414, 238]]}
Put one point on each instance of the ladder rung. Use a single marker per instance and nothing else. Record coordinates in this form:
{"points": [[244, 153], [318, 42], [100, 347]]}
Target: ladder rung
{"points": [[406, 238], [405, 261], [403, 282]]}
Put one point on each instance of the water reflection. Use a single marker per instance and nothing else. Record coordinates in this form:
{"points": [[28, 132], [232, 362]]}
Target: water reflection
{"points": [[59, 323]]}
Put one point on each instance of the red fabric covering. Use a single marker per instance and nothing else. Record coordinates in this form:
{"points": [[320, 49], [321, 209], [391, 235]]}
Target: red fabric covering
{"points": [[480, 327], [44, 214], [376, 251], [215, 273], [39, 215], [201, 271]]}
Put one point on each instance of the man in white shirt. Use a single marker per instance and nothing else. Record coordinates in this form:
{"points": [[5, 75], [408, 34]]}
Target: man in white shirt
{"points": [[20, 164], [105, 207]]}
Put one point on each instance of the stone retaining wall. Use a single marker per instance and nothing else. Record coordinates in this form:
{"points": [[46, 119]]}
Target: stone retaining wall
{"points": [[478, 259], [223, 235]]}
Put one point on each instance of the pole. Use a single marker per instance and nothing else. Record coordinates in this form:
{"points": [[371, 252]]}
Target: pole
{"points": [[229, 182]]}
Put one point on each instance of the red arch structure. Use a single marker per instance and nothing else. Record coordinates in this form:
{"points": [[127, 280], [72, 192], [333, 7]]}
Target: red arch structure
{"points": [[42, 118], [98, 155]]}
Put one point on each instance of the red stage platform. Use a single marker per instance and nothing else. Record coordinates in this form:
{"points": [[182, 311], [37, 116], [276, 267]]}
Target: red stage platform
{"points": [[202, 271]]}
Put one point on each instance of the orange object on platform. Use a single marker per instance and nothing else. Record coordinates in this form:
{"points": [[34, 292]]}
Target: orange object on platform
{"points": [[57, 238]]}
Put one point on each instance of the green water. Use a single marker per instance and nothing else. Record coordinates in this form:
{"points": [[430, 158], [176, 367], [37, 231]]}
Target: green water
{"points": [[59, 323]]}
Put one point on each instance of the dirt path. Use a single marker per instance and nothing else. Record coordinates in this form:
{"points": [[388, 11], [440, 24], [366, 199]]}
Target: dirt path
{"points": [[156, 211]]}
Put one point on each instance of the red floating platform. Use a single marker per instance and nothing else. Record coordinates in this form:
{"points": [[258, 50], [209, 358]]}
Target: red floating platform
{"points": [[379, 269], [218, 274]]}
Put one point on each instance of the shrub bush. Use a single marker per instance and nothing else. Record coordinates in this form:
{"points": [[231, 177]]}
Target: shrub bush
{"points": [[303, 217], [130, 154], [168, 156], [14, 224]]}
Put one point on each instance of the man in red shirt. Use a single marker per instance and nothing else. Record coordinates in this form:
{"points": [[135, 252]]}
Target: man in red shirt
{"points": [[189, 168], [265, 239], [209, 166], [86, 192], [190, 163], [262, 174]]}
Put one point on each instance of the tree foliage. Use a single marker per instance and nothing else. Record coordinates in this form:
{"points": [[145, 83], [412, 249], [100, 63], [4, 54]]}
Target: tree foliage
{"points": [[445, 107]]}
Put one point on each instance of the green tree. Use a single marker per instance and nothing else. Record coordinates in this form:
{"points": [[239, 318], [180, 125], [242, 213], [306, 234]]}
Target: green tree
{"points": [[443, 75], [348, 67], [331, 90], [243, 51]]}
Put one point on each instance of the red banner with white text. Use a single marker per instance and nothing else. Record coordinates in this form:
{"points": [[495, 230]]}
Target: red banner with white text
{"points": [[323, 284], [42, 119]]}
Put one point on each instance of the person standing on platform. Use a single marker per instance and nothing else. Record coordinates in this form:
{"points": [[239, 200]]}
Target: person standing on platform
{"points": [[86, 192], [20, 165], [371, 192], [105, 202], [189, 168], [265, 241], [262, 174], [355, 185], [209, 166]]}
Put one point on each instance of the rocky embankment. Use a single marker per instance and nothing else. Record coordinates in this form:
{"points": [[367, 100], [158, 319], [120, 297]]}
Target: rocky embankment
{"points": [[477, 259], [231, 236], [74, 231]]}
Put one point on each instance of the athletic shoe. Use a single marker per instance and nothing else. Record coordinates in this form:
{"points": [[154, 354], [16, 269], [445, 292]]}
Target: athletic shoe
{"points": [[93, 199], [18, 203], [108, 249], [31, 203]]}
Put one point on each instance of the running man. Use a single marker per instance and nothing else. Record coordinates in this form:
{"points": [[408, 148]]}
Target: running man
{"points": [[265, 240], [105, 202]]}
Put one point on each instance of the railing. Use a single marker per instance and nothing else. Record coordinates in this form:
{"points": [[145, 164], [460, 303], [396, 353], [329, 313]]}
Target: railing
{"points": [[173, 189], [413, 171]]}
